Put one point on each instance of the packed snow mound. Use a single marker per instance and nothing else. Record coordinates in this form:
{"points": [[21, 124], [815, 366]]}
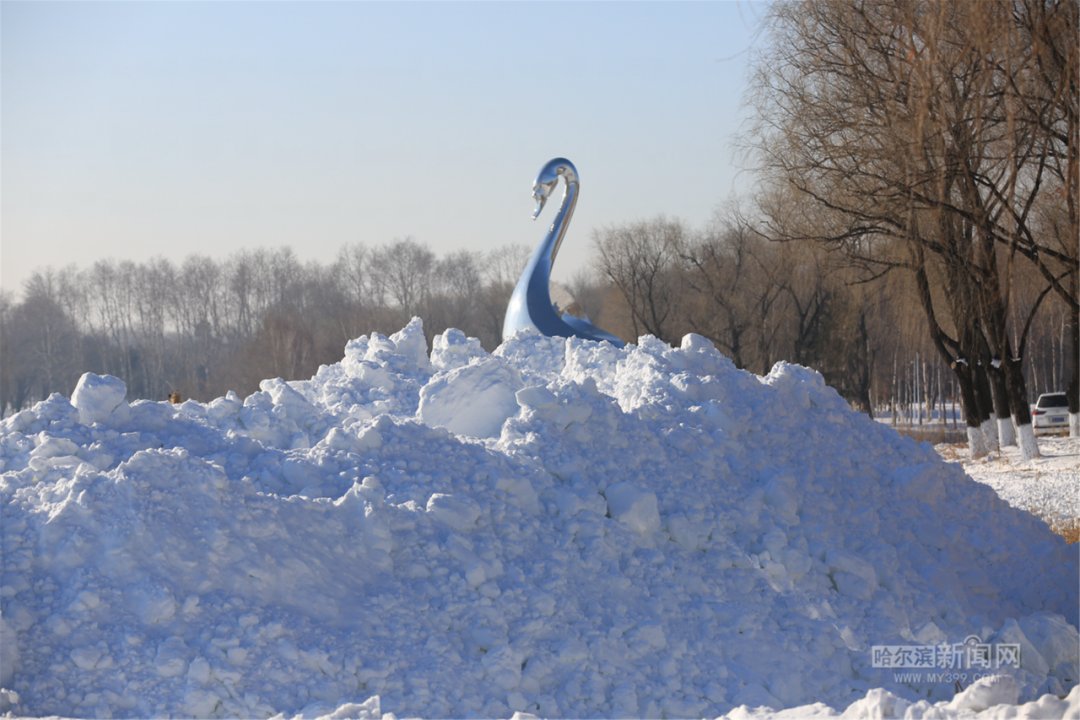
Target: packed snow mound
{"points": [[602, 532], [989, 698]]}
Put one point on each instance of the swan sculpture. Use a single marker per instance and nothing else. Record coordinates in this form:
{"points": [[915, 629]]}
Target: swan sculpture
{"points": [[530, 305]]}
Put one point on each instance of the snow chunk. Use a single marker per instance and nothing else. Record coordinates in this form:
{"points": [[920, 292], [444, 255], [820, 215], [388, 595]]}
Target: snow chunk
{"points": [[452, 349], [410, 344], [99, 397], [460, 513], [367, 710], [633, 506], [473, 400], [987, 692], [171, 657]]}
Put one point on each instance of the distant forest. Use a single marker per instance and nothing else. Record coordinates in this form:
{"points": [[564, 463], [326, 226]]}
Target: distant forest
{"points": [[913, 234], [204, 327]]}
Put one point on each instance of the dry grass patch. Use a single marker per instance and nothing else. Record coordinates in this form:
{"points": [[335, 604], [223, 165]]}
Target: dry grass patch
{"points": [[951, 451], [935, 435], [1068, 529]]}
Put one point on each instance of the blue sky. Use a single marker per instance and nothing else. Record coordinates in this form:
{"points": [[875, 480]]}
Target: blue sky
{"points": [[139, 129]]}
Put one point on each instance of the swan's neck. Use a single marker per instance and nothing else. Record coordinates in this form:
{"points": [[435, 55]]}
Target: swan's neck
{"points": [[557, 231]]}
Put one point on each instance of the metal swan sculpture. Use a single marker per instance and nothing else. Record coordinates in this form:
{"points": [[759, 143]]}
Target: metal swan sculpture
{"points": [[530, 305]]}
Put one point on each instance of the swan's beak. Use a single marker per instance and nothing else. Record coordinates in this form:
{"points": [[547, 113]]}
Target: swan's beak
{"points": [[540, 201]]}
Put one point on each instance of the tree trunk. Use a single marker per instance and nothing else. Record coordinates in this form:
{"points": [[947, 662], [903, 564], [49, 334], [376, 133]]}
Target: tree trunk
{"points": [[1072, 392], [985, 405], [1006, 432], [977, 441], [1021, 411], [864, 366]]}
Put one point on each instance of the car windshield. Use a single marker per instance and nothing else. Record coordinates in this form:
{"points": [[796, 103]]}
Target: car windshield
{"points": [[1053, 401]]}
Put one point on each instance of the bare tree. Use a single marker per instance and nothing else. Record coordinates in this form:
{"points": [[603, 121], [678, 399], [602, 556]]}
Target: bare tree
{"points": [[897, 118], [644, 261], [9, 399], [403, 270], [41, 340], [455, 288]]}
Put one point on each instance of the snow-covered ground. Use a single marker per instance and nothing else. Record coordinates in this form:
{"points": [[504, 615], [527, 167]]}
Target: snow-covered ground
{"points": [[561, 528], [1048, 486]]}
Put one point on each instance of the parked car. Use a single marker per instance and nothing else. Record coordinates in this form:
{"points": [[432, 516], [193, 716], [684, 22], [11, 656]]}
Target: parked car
{"points": [[1051, 412]]}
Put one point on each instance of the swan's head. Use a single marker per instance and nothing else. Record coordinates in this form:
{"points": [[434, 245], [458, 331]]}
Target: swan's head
{"points": [[548, 178]]}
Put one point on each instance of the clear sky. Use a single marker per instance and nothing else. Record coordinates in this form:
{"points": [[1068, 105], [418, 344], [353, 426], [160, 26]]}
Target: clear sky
{"points": [[138, 129]]}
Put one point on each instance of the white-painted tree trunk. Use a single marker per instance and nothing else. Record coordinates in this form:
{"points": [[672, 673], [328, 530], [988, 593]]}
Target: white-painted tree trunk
{"points": [[1029, 446], [989, 429], [1074, 424], [977, 443], [1006, 432]]}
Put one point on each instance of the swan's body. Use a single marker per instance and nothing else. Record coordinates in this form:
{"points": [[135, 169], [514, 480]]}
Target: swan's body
{"points": [[530, 305]]}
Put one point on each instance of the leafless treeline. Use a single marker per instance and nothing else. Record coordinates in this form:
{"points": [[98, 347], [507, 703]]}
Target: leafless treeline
{"points": [[203, 327]]}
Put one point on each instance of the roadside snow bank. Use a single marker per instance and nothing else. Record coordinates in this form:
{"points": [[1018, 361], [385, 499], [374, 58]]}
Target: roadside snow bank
{"points": [[642, 531]]}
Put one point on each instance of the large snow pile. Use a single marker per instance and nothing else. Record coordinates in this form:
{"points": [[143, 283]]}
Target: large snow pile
{"points": [[561, 528]]}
